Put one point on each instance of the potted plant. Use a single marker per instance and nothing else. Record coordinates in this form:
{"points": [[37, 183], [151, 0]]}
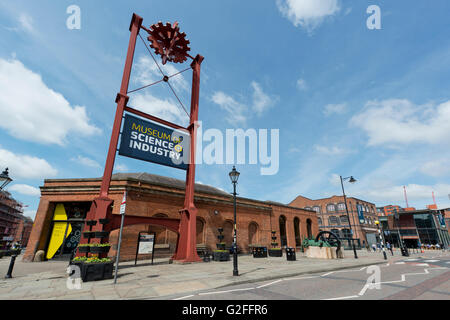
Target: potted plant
{"points": [[275, 251], [221, 255], [84, 248], [100, 247], [221, 246], [259, 251], [95, 268]]}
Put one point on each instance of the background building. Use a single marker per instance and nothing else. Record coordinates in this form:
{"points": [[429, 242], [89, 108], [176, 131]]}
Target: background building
{"points": [[156, 196], [390, 210], [414, 227], [332, 216], [11, 215]]}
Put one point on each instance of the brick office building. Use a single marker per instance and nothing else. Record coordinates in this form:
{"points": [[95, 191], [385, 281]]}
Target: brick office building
{"points": [[153, 195], [332, 216], [11, 214], [23, 231]]}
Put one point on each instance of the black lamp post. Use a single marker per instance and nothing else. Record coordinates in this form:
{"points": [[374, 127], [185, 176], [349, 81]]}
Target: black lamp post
{"points": [[351, 180], [234, 176], [4, 179]]}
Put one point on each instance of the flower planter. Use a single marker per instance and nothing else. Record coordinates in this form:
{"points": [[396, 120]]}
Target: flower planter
{"points": [[221, 246], [101, 234], [259, 252], [221, 256], [290, 254], [88, 234], [275, 252], [91, 223], [84, 249], [96, 271], [95, 249]]}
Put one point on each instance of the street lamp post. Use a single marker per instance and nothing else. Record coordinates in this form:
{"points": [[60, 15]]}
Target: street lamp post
{"points": [[351, 180], [4, 179], [234, 176], [383, 242]]}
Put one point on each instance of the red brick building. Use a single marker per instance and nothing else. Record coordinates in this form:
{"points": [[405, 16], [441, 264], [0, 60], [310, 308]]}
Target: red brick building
{"points": [[153, 195], [332, 216], [11, 214], [23, 231]]}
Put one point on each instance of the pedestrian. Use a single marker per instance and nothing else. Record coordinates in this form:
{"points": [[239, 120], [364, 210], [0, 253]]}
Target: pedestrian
{"points": [[374, 247], [389, 247]]}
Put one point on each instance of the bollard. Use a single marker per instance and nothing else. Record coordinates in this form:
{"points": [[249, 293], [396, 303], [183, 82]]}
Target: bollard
{"points": [[11, 266]]}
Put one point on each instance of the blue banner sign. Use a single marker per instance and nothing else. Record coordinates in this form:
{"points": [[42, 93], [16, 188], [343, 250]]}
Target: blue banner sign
{"points": [[148, 141], [360, 213], [441, 220]]}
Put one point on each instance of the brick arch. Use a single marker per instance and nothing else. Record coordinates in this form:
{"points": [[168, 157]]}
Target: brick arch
{"points": [[253, 233], [297, 234], [282, 221], [228, 231], [200, 230]]}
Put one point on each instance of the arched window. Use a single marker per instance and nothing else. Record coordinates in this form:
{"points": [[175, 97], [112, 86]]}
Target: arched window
{"points": [[282, 223], [253, 233], [331, 208], [309, 228], [297, 232], [200, 226]]}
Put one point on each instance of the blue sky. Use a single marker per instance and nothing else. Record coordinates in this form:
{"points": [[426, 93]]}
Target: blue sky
{"points": [[347, 100]]}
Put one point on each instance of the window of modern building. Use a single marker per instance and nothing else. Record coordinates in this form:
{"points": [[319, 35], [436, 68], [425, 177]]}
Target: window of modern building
{"points": [[331, 208]]}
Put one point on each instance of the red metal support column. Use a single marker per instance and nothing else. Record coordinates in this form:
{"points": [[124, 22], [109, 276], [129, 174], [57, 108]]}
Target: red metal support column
{"points": [[187, 246], [102, 206]]}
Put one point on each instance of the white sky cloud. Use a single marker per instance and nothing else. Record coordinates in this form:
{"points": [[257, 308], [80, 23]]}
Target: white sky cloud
{"points": [[86, 162], [331, 109], [120, 167], [147, 72], [402, 122], [25, 189], [32, 111], [436, 168], [330, 150], [301, 84], [238, 112], [307, 13], [25, 166], [26, 22]]}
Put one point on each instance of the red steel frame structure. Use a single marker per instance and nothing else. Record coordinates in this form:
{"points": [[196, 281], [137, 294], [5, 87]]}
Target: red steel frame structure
{"points": [[101, 207]]}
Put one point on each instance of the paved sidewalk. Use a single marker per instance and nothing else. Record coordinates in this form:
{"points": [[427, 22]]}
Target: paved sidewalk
{"points": [[47, 280]]}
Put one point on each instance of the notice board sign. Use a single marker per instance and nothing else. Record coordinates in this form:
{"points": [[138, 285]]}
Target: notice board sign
{"points": [[148, 141], [146, 244]]}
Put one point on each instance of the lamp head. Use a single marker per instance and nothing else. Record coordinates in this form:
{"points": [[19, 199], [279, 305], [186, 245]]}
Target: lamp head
{"points": [[4, 179], [352, 180], [234, 175]]}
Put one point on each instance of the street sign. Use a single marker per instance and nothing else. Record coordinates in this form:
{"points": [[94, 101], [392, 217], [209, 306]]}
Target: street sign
{"points": [[124, 203], [148, 141]]}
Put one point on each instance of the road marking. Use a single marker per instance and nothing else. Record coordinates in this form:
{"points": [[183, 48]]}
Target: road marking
{"points": [[431, 260], [422, 264], [268, 284], [401, 262], [225, 291], [411, 259], [342, 298], [327, 274], [185, 297], [448, 262], [301, 278]]}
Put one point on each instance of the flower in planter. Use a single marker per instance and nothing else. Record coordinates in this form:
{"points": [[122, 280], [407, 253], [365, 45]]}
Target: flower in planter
{"points": [[80, 259], [95, 259]]}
